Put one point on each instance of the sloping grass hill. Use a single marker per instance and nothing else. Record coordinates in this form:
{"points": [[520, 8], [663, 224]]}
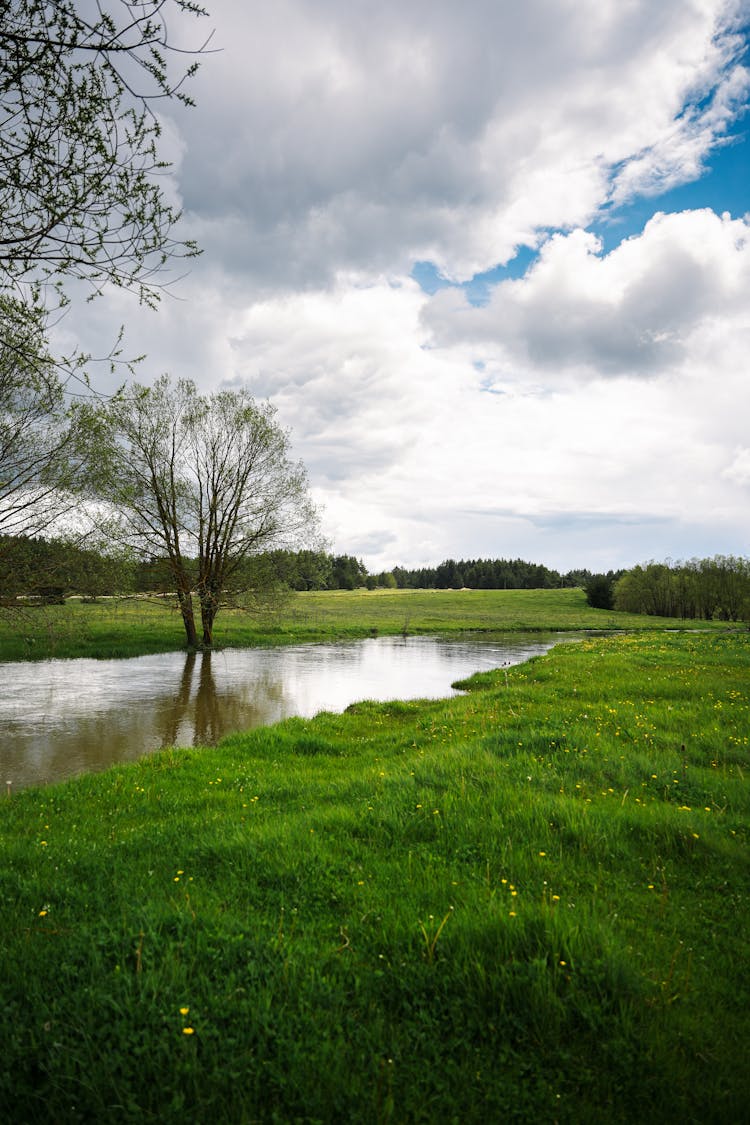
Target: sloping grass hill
{"points": [[525, 904]]}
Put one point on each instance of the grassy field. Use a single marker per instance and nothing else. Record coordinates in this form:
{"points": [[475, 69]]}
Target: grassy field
{"points": [[525, 904], [134, 626]]}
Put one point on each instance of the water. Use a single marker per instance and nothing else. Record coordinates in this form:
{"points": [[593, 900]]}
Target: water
{"points": [[59, 718]]}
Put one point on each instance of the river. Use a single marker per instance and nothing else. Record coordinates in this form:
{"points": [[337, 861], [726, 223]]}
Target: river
{"points": [[59, 718]]}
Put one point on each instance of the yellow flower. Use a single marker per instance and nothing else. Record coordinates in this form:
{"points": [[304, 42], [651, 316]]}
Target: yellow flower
{"points": [[188, 1031], [184, 1011], [42, 913]]}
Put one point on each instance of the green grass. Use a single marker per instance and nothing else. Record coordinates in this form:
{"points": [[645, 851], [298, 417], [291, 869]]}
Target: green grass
{"points": [[135, 626], [527, 904]]}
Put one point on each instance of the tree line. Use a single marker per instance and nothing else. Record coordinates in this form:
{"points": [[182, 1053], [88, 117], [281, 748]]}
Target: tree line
{"points": [[487, 574], [50, 569], [715, 588], [31, 564]]}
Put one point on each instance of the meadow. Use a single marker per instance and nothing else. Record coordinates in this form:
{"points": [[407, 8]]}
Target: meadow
{"points": [[114, 627], [527, 903]]}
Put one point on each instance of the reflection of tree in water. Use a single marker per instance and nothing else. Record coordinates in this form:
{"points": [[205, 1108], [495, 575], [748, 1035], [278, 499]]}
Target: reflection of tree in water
{"points": [[205, 715], [71, 728], [208, 724], [176, 710]]}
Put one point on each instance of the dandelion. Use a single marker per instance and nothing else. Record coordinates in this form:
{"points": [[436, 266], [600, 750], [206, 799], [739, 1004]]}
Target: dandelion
{"points": [[555, 898], [188, 1031], [42, 913], [184, 1011], [511, 913], [542, 853]]}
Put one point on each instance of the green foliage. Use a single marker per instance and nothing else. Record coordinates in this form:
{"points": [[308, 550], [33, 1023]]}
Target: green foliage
{"points": [[701, 588], [599, 590], [296, 570], [31, 563], [347, 573], [202, 481], [487, 574], [527, 903]]}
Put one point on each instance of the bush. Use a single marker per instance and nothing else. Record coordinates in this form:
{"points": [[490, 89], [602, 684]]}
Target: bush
{"points": [[599, 591]]}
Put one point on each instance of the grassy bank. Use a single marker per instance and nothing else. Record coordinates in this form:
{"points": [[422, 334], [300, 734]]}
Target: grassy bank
{"points": [[525, 904], [135, 626]]}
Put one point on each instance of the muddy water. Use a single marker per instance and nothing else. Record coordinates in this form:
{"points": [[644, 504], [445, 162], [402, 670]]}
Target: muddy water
{"points": [[59, 718]]}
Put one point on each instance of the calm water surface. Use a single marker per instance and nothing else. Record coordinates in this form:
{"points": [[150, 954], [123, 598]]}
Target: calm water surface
{"points": [[64, 717]]}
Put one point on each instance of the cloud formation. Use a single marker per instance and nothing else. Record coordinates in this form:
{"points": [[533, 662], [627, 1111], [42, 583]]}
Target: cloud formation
{"points": [[638, 310], [326, 140], [593, 411]]}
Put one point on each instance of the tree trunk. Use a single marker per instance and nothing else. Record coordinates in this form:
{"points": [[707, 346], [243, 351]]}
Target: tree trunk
{"points": [[208, 616], [188, 617]]}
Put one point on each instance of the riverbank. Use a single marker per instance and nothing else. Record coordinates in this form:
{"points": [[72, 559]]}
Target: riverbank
{"points": [[140, 626], [528, 903]]}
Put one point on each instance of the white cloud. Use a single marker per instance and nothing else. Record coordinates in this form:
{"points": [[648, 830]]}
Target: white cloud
{"points": [[634, 311], [594, 412], [415, 458], [739, 469], [325, 141]]}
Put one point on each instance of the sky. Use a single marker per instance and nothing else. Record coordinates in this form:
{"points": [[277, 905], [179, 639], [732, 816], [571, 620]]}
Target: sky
{"points": [[489, 261]]}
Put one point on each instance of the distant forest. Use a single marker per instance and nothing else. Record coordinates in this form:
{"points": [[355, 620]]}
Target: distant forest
{"points": [[717, 587], [28, 566], [487, 574]]}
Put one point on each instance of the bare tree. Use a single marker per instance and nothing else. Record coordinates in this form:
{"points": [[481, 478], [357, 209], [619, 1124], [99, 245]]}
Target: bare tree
{"points": [[80, 191], [41, 445], [204, 480], [81, 197]]}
